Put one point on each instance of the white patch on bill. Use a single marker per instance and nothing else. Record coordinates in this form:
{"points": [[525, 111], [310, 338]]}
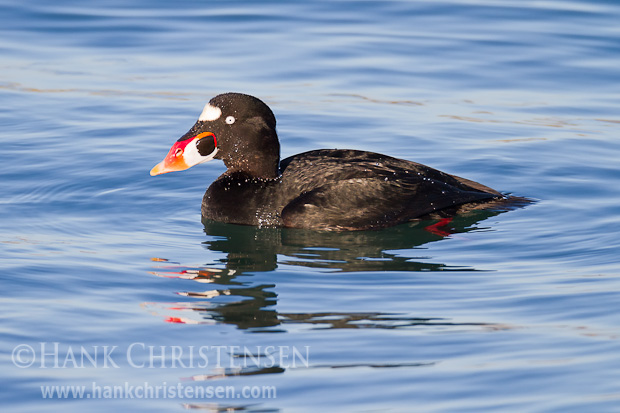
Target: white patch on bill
{"points": [[192, 157], [210, 113]]}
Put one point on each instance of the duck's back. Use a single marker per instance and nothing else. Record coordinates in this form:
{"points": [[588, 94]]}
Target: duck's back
{"points": [[348, 189]]}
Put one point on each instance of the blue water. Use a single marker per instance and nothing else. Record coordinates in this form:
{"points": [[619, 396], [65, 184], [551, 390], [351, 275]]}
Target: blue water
{"points": [[515, 311]]}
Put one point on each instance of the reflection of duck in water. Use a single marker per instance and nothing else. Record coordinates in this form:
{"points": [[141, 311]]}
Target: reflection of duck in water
{"points": [[241, 289], [252, 249], [227, 293], [321, 189]]}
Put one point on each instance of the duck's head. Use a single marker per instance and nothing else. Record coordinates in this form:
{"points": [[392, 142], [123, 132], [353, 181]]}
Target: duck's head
{"points": [[236, 128]]}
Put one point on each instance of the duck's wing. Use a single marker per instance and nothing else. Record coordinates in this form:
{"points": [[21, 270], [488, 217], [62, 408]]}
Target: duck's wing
{"points": [[348, 189], [368, 203]]}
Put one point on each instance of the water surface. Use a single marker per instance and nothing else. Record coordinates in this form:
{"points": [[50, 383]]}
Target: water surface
{"points": [[514, 311]]}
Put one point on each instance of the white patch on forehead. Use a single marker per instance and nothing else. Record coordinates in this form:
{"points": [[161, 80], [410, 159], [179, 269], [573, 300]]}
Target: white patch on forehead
{"points": [[210, 113]]}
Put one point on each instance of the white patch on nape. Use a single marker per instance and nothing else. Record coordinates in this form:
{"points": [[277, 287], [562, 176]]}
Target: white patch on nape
{"points": [[210, 113]]}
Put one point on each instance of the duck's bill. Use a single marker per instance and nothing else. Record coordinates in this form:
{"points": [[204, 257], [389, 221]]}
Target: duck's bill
{"points": [[186, 153], [174, 161]]}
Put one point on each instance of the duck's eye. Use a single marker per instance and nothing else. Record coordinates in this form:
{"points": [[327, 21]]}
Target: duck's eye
{"points": [[230, 120]]}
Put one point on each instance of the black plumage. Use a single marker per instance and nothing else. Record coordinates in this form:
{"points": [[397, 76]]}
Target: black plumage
{"points": [[322, 189]]}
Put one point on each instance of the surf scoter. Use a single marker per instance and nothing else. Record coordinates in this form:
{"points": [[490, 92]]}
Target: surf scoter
{"points": [[326, 189]]}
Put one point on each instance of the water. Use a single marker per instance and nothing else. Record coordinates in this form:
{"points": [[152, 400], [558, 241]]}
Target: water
{"points": [[512, 312]]}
